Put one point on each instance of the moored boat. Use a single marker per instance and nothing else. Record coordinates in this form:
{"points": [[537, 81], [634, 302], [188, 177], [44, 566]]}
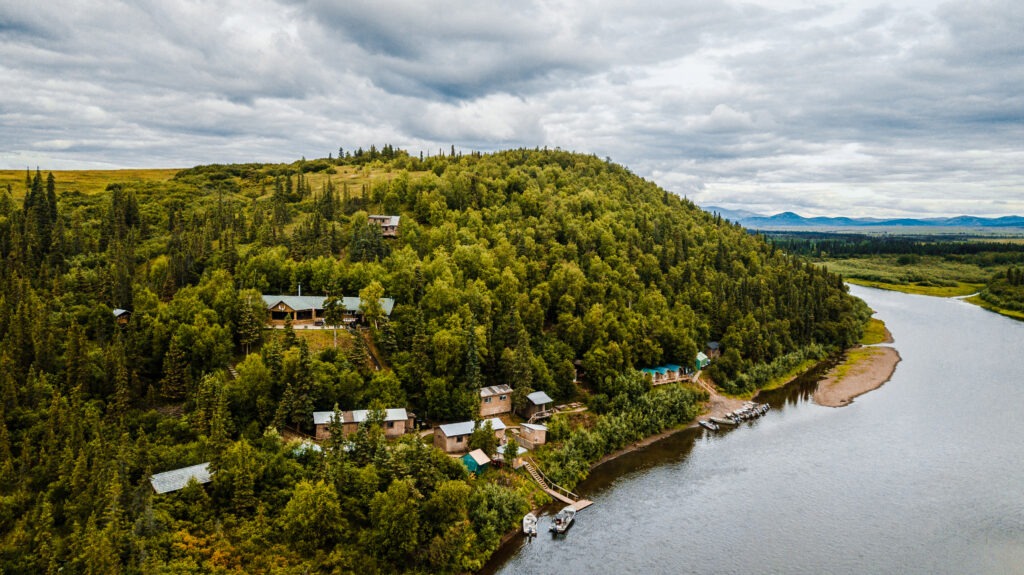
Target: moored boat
{"points": [[530, 525], [723, 421], [563, 520], [709, 425]]}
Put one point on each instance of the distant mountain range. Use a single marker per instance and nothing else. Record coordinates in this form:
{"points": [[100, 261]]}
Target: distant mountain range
{"points": [[792, 221]]}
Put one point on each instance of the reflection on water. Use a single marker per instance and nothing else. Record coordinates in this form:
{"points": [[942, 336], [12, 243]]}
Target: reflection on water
{"points": [[920, 476]]}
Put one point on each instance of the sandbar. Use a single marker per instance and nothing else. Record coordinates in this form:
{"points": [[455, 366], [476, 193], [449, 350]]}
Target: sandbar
{"points": [[864, 370]]}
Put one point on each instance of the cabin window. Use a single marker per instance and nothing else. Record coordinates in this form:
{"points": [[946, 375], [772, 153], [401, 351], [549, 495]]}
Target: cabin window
{"points": [[487, 400], [503, 398], [458, 439], [391, 425]]}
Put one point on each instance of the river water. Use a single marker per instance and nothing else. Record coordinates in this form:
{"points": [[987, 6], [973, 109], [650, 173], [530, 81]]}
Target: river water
{"points": [[924, 475]]}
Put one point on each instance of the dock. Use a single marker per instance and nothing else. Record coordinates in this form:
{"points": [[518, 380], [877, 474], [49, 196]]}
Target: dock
{"points": [[559, 493]]}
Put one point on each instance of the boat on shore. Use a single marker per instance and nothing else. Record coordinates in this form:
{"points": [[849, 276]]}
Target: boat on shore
{"points": [[530, 525], [563, 520], [723, 421], [709, 425]]}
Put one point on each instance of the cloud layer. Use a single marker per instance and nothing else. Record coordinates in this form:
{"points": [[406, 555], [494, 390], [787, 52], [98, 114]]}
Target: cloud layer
{"points": [[868, 109]]}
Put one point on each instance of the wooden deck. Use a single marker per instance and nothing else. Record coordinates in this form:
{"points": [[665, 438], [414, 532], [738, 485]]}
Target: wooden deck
{"points": [[561, 494]]}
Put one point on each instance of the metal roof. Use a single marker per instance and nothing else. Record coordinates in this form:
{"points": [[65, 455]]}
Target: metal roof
{"points": [[304, 302], [539, 398], [119, 312], [176, 479], [466, 427], [495, 390], [358, 416], [701, 356], [385, 220], [479, 457], [534, 426]]}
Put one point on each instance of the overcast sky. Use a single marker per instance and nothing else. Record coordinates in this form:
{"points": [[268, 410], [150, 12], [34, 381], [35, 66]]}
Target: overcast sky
{"points": [[857, 108]]}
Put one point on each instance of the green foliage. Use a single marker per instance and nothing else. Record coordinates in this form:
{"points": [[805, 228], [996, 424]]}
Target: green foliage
{"points": [[516, 267]]}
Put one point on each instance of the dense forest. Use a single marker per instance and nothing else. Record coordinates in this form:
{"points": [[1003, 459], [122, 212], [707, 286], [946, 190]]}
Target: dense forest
{"points": [[525, 267]]}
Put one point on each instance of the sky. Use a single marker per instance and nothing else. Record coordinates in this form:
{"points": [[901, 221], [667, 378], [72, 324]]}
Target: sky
{"points": [[856, 108]]}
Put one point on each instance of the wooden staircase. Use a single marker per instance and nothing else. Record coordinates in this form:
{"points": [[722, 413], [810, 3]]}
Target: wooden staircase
{"points": [[560, 493]]}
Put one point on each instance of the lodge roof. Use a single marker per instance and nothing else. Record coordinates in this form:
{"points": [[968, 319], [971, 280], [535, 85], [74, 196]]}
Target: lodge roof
{"points": [[358, 416], [176, 479], [534, 426], [467, 427], [304, 302], [385, 220]]}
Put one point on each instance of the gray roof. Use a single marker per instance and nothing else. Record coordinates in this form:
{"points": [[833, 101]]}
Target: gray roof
{"points": [[495, 390], [119, 312], [534, 426], [303, 302], [385, 220], [466, 427], [176, 479], [539, 398], [358, 416], [479, 457]]}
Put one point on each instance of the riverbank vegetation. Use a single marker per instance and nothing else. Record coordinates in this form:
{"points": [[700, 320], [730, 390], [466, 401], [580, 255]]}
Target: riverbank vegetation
{"points": [[921, 264], [543, 270]]}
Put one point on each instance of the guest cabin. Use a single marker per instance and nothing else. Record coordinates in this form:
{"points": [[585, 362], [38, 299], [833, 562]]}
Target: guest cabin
{"points": [[713, 350], [702, 361], [388, 225], [538, 406], [454, 437], [309, 309], [396, 422], [532, 435], [121, 316], [495, 400]]}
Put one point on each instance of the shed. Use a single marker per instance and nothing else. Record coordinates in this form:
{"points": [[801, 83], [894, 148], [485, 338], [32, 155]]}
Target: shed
{"points": [[388, 224], [476, 461], [176, 479], [121, 316], [532, 434], [713, 349], [702, 361], [495, 399], [454, 437], [538, 404]]}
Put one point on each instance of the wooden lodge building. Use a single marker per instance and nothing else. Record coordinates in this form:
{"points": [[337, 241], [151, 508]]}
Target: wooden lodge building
{"points": [[454, 437], [396, 422], [309, 309]]}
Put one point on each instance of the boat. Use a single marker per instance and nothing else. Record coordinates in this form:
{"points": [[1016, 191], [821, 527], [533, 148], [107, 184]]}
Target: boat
{"points": [[530, 525], [723, 421], [563, 520], [709, 425]]}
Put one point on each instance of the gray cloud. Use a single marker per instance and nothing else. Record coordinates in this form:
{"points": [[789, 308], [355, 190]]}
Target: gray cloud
{"points": [[865, 109]]}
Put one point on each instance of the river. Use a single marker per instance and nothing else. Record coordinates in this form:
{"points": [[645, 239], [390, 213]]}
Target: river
{"points": [[923, 475]]}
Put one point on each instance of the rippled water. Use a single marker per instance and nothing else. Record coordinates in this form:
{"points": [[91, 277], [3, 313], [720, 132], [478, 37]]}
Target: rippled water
{"points": [[924, 475]]}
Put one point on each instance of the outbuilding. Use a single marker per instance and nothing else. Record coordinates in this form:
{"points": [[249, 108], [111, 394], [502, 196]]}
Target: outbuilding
{"points": [[454, 437], [538, 405], [476, 461], [176, 479]]}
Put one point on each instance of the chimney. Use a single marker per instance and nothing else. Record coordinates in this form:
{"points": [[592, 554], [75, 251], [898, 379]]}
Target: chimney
{"points": [[300, 289]]}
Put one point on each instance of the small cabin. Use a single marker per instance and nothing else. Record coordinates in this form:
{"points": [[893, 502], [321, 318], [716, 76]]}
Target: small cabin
{"points": [[538, 405], [305, 310], [532, 434], [388, 224], [121, 316], [396, 422], [499, 457], [668, 373], [454, 437], [495, 400], [702, 361], [713, 349], [177, 479], [476, 461]]}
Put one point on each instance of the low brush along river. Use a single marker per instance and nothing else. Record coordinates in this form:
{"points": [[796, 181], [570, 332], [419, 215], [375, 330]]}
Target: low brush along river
{"points": [[923, 475]]}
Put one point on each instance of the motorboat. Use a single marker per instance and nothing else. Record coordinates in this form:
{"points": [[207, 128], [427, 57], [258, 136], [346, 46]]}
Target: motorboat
{"points": [[563, 520], [709, 425], [530, 525]]}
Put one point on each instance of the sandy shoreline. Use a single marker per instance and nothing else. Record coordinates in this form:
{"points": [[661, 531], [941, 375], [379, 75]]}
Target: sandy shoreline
{"points": [[869, 370]]}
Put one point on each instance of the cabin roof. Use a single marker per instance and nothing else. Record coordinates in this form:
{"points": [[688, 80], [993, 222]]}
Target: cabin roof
{"points": [[493, 390], [713, 345], [119, 312], [176, 479], [479, 457], [539, 398], [304, 302], [385, 220], [701, 356], [359, 416], [534, 426], [467, 427]]}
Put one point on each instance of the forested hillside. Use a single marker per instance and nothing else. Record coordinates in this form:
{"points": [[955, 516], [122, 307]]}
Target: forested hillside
{"points": [[516, 267]]}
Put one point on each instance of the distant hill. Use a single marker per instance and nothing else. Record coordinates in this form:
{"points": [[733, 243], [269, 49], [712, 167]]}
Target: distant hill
{"points": [[791, 221]]}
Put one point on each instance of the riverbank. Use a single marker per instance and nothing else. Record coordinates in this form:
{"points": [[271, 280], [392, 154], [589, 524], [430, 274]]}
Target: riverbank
{"points": [[864, 369]]}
